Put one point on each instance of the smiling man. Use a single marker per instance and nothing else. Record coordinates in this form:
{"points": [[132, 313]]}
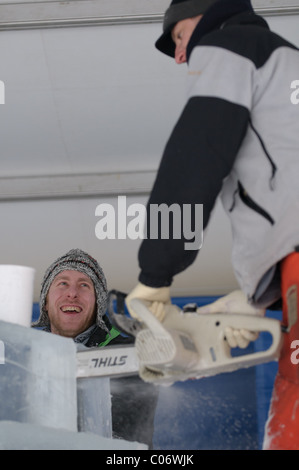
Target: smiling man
{"points": [[73, 302]]}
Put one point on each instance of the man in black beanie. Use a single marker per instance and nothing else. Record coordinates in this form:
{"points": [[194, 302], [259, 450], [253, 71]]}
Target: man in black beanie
{"points": [[238, 138]]}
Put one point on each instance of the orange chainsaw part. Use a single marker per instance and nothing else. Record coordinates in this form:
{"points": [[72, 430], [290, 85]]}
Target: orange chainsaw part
{"points": [[282, 429]]}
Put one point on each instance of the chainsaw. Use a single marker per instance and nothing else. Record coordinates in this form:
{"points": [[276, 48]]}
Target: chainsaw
{"points": [[112, 361], [162, 354]]}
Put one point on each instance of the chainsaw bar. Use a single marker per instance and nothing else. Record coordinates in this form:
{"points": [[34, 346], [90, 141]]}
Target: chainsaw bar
{"points": [[112, 361]]}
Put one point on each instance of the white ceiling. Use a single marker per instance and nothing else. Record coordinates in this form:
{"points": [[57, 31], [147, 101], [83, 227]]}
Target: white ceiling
{"points": [[84, 100], [89, 101]]}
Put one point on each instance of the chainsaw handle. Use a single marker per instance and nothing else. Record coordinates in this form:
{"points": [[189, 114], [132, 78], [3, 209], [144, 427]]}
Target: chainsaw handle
{"points": [[207, 332], [147, 316], [252, 323]]}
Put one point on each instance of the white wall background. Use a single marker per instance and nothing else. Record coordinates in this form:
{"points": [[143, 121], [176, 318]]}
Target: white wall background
{"points": [[93, 100]]}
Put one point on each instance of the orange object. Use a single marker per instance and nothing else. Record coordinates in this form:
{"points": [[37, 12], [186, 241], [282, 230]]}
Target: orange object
{"points": [[282, 429]]}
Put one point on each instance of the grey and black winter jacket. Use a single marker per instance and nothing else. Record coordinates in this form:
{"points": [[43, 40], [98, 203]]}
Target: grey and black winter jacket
{"points": [[237, 138]]}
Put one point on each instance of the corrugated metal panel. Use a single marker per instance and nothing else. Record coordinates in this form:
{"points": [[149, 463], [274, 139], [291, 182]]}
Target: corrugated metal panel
{"points": [[72, 185], [42, 14]]}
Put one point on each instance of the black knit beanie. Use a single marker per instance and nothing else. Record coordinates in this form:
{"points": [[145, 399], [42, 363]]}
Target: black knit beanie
{"points": [[75, 260], [214, 11]]}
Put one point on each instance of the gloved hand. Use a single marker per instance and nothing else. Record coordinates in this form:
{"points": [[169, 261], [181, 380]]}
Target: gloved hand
{"points": [[235, 302], [159, 307], [156, 298]]}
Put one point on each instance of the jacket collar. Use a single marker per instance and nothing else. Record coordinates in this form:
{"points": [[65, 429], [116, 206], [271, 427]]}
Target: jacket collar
{"points": [[207, 25], [246, 18]]}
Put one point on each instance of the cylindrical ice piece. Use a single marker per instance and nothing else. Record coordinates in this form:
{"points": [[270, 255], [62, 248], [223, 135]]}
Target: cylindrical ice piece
{"points": [[16, 294]]}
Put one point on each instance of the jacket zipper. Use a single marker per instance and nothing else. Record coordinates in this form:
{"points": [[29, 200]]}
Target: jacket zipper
{"points": [[273, 166], [246, 199]]}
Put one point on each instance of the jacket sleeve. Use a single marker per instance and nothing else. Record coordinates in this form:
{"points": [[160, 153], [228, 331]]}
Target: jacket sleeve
{"points": [[200, 153]]}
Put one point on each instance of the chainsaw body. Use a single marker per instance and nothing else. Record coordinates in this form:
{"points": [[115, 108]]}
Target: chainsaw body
{"points": [[186, 345], [197, 347]]}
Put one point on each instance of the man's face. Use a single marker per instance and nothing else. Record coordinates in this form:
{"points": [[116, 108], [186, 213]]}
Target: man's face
{"points": [[71, 303], [181, 35]]}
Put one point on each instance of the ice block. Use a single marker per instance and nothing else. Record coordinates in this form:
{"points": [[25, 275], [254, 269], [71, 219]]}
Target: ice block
{"points": [[22, 436], [94, 406], [42, 405], [37, 378]]}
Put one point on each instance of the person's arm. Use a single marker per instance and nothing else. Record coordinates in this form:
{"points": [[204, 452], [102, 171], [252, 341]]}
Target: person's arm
{"points": [[198, 156]]}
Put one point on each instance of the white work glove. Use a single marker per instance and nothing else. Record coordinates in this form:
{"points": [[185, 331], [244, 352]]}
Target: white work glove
{"points": [[156, 298], [235, 303], [158, 303]]}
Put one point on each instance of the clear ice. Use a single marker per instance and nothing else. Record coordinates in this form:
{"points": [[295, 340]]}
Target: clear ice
{"points": [[42, 404]]}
